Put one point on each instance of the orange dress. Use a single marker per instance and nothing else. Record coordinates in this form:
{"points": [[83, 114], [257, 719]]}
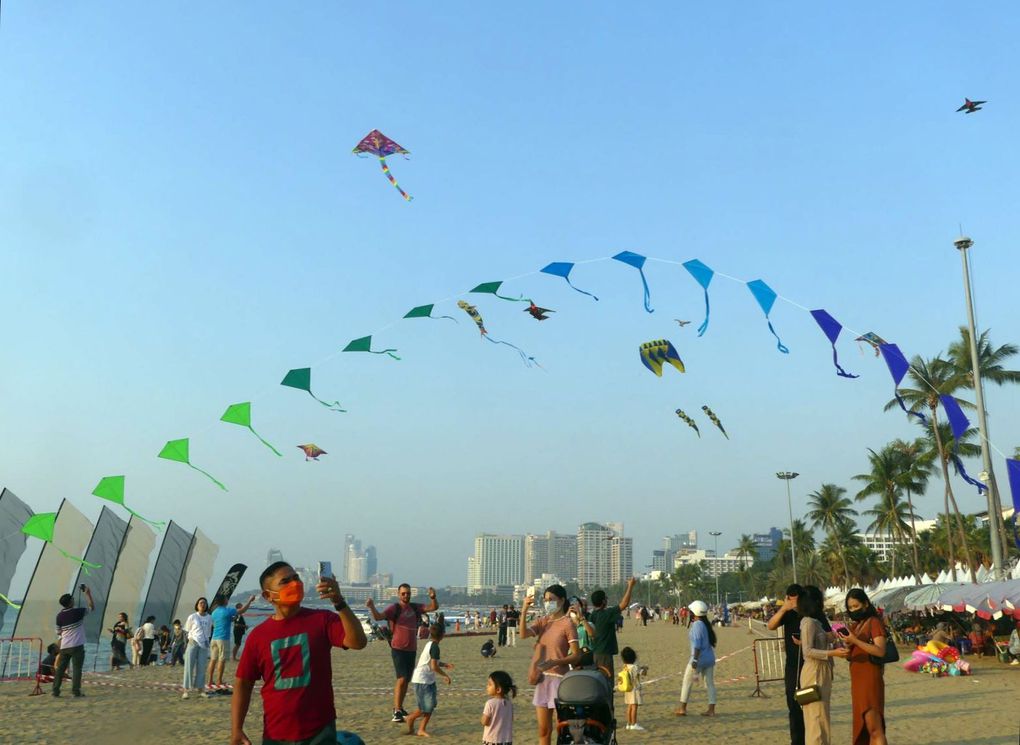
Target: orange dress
{"points": [[867, 685]]}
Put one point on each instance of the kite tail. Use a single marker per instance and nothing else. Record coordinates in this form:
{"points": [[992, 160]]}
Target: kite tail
{"points": [[779, 342], [839, 370], [386, 171], [723, 431], [266, 443], [520, 299], [209, 476], [648, 294], [157, 524], [450, 317], [9, 601], [704, 324], [329, 406], [919, 415], [966, 476], [387, 352], [85, 565], [578, 289], [524, 355]]}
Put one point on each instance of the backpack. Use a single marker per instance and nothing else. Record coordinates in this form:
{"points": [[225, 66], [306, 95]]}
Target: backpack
{"points": [[624, 683]]}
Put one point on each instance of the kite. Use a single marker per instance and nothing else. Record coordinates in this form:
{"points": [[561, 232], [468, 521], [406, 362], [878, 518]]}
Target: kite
{"points": [[703, 276], [690, 422], [178, 450], [638, 262], [240, 414], [655, 353], [364, 344], [41, 526], [301, 378], [492, 288], [9, 602], [766, 298], [831, 328], [312, 451], [715, 420], [562, 269], [682, 323], [1013, 471], [873, 339], [425, 311], [477, 318], [898, 367], [959, 424], [111, 488], [969, 107], [539, 314], [378, 144]]}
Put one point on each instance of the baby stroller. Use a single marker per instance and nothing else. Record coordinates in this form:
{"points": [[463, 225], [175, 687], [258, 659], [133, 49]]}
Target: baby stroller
{"points": [[584, 709]]}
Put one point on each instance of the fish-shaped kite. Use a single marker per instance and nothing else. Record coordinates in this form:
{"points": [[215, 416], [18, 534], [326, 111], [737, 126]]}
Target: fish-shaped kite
{"points": [[312, 451], [539, 314], [477, 318], [690, 422], [377, 144], [715, 420], [655, 353]]}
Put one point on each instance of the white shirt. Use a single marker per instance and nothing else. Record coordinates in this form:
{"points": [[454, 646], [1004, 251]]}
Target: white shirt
{"points": [[198, 628], [149, 630], [423, 672]]}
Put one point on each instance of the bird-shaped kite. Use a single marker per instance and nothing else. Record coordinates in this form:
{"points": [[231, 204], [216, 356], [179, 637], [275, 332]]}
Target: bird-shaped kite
{"points": [[655, 353], [477, 318], [312, 451], [377, 144], [873, 339], [539, 314], [715, 420], [969, 107], [690, 422]]}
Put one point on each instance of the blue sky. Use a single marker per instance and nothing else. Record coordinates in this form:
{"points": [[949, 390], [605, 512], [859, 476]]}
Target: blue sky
{"points": [[183, 222]]}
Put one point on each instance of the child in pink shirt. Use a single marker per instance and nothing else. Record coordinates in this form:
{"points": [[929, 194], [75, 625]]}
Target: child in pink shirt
{"points": [[498, 714]]}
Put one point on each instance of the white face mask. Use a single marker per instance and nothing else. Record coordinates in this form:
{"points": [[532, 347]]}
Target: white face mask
{"points": [[551, 606], [573, 616]]}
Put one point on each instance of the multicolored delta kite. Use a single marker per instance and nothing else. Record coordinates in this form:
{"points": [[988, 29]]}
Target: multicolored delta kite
{"points": [[179, 451], [111, 488], [41, 526], [690, 422], [364, 344], [312, 451], [240, 414], [655, 353], [477, 318], [715, 420], [377, 144], [301, 378], [873, 339]]}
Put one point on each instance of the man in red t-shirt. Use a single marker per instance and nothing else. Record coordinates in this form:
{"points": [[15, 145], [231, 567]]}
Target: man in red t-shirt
{"points": [[403, 617], [290, 654]]}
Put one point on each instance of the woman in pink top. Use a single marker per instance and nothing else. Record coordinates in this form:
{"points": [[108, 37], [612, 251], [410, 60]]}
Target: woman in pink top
{"points": [[556, 649]]}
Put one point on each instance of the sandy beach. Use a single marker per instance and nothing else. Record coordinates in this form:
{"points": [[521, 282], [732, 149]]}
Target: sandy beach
{"points": [[141, 707]]}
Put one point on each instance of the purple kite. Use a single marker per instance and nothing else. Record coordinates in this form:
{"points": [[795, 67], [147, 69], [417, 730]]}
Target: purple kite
{"points": [[377, 144]]}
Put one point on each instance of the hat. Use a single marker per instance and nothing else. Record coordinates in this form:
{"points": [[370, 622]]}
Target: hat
{"points": [[699, 608]]}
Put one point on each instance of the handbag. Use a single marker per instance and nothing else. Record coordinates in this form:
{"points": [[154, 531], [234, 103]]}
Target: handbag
{"points": [[808, 694], [892, 654]]}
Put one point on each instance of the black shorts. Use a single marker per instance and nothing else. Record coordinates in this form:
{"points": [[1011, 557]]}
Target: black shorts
{"points": [[238, 636], [403, 663]]}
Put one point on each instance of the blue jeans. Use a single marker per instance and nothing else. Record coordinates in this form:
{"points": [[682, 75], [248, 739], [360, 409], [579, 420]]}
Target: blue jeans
{"points": [[195, 660]]}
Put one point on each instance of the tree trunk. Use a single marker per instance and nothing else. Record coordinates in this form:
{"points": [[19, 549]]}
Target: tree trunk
{"points": [[945, 499], [952, 498], [913, 540]]}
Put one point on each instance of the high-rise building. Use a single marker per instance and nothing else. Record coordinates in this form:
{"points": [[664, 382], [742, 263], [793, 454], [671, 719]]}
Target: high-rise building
{"points": [[621, 559], [552, 553], [344, 569], [766, 544], [498, 562], [357, 570], [660, 562], [536, 556], [273, 555], [594, 555], [372, 561]]}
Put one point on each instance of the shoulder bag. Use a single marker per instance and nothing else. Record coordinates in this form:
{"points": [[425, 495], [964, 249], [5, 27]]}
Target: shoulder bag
{"points": [[808, 694]]}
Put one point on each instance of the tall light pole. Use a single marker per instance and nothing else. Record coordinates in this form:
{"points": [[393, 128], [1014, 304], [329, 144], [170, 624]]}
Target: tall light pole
{"points": [[715, 537], [994, 510], [789, 476]]}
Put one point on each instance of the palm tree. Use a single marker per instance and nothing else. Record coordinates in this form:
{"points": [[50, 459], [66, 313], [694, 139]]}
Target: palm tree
{"points": [[747, 549], [811, 569], [885, 480], [931, 379], [917, 466], [828, 509], [890, 517]]}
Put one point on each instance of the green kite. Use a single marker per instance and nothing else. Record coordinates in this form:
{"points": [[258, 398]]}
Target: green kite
{"points": [[240, 414], [301, 378], [425, 311], [364, 344], [41, 526], [177, 450], [112, 488], [492, 288]]}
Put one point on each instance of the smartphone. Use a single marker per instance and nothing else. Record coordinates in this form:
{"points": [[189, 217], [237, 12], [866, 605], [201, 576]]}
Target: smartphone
{"points": [[325, 569], [531, 592], [843, 631]]}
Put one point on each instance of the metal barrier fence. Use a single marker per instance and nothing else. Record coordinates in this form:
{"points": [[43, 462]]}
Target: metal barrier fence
{"points": [[19, 660], [769, 663]]}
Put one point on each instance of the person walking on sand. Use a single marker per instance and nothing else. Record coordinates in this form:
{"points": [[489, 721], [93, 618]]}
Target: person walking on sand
{"points": [[223, 617], [290, 652], [513, 617], [240, 629], [702, 639], [402, 617], [424, 680], [71, 629], [118, 642], [198, 627]]}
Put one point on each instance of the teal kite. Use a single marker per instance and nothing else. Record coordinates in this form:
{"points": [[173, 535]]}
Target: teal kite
{"points": [[111, 488], [492, 288], [638, 262], [425, 311], [766, 298], [301, 378], [178, 451], [240, 414], [364, 344]]}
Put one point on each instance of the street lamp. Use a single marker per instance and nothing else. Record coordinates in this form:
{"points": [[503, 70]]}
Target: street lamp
{"points": [[994, 510], [715, 537], [788, 476]]}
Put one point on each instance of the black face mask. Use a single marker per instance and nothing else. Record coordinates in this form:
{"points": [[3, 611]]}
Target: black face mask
{"points": [[858, 615]]}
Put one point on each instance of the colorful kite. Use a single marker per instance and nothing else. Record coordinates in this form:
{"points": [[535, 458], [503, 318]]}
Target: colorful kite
{"points": [[301, 378], [178, 450], [240, 414], [638, 262], [959, 424], [766, 298], [562, 269], [492, 288], [477, 318], [425, 311], [690, 422], [658, 352], [703, 276], [377, 144], [831, 328], [539, 314], [112, 488], [715, 420], [898, 367], [364, 344], [312, 451], [41, 526], [873, 339]]}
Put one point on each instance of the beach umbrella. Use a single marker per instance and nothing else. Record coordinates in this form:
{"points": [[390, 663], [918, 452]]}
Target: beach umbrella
{"points": [[891, 601], [927, 596]]}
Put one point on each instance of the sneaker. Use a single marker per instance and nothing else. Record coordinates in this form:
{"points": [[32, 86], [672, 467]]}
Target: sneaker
{"points": [[204, 694], [79, 694], [1015, 662], [397, 717], [626, 726], [56, 694], [185, 695], [403, 711], [636, 726]]}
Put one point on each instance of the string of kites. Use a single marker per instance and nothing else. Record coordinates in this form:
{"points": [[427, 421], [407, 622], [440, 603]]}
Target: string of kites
{"points": [[653, 355]]}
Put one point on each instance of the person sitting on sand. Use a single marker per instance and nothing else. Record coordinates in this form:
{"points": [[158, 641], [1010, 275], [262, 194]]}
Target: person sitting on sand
{"points": [[488, 649]]}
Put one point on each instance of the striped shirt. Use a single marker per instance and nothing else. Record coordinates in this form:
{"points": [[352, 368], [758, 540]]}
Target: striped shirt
{"points": [[71, 627]]}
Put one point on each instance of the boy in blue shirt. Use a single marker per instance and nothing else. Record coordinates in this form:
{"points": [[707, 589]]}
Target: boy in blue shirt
{"points": [[219, 647]]}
